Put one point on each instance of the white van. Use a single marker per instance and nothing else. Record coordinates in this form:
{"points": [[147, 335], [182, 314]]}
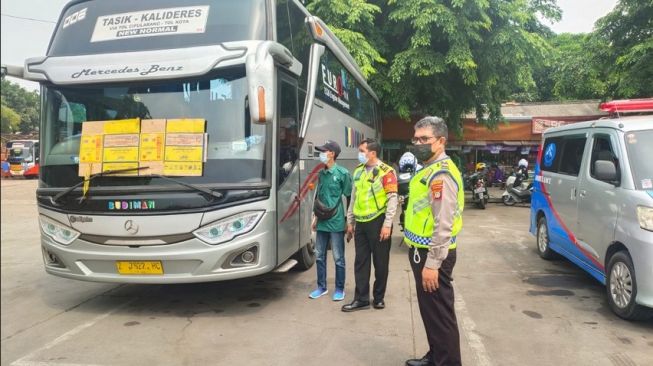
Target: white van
{"points": [[593, 203]]}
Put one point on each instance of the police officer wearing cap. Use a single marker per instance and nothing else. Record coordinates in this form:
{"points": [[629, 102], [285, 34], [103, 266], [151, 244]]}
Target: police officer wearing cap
{"points": [[369, 220], [433, 220]]}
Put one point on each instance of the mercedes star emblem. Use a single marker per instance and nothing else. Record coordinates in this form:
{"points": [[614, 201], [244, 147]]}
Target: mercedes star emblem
{"points": [[131, 227]]}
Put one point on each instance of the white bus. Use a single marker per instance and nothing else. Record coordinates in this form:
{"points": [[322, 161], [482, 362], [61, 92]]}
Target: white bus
{"points": [[269, 80]]}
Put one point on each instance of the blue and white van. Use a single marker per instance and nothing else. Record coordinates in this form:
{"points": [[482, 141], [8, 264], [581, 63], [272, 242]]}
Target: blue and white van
{"points": [[593, 203]]}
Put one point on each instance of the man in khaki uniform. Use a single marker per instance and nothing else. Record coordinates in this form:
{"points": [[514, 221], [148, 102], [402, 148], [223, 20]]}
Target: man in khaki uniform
{"points": [[436, 200]]}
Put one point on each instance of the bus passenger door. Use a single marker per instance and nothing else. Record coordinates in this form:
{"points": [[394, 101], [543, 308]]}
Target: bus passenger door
{"points": [[287, 167]]}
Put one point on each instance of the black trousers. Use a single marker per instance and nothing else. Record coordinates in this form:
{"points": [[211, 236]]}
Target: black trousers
{"points": [[437, 310], [370, 249]]}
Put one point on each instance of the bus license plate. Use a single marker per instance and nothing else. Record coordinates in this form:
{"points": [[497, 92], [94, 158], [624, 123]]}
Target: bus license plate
{"points": [[16, 168], [139, 267]]}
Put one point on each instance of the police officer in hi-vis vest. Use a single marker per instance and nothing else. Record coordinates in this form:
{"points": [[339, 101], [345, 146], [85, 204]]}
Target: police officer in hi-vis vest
{"points": [[370, 216], [433, 220]]}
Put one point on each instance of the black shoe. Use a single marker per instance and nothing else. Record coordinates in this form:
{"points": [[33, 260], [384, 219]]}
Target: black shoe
{"points": [[424, 361], [356, 305], [379, 304]]}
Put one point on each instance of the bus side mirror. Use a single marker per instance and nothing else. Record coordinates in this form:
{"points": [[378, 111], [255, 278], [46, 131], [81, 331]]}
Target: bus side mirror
{"points": [[261, 78], [606, 171], [317, 50]]}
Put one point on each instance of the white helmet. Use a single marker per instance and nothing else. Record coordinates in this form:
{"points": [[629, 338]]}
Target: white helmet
{"points": [[407, 159], [523, 162]]}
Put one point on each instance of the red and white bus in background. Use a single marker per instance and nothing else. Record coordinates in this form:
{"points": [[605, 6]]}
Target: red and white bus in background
{"points": [[23, 158]]}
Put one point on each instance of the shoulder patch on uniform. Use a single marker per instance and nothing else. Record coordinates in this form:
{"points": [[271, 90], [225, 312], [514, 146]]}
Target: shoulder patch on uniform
{"points": [[436, 189]]}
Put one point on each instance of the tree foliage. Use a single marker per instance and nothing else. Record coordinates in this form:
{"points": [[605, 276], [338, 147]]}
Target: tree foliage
{"points": [[628, 33], [23, 103], [10, 119], [444, 57]]}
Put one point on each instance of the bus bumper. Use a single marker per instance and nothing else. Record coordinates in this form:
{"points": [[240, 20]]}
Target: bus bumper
{"points": [[183, 262]]}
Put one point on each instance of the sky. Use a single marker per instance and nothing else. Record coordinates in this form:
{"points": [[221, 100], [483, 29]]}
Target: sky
{"points": [[21, 38]]}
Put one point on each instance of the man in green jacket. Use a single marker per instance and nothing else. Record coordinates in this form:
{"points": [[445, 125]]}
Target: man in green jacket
{"points": [[334, 182]]}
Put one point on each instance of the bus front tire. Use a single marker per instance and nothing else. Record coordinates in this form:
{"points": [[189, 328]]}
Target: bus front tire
{"points": [[621, 288], [305, 257]]}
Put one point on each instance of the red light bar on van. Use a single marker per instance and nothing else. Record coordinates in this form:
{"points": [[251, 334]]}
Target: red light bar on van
{"points": [[628, 105]]}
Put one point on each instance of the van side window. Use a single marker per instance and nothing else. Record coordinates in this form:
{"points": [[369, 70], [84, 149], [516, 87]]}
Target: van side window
{"points": [[602, 150], [551, 154], [572, 155]]}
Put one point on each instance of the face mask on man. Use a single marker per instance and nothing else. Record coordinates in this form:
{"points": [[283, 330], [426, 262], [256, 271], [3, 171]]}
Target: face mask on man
{"points": [[324, 158], [422, 152], [362, 158]]}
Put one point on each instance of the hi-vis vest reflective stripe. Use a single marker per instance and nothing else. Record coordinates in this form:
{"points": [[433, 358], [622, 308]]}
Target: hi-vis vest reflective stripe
{"points": [[419, 222], [370, 200]]}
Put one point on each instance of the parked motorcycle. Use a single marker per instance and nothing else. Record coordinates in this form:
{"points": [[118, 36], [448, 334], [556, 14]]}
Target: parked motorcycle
{"points": [[516, 191], [403, 182], [477, 185]]}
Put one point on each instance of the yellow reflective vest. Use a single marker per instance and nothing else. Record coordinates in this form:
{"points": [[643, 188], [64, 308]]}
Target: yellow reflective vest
{"points": [[371, 200], [419, 222]]}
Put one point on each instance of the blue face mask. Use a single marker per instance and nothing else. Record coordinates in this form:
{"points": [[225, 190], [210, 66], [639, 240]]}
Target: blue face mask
{"points": [[362, 158], [324, 158]]}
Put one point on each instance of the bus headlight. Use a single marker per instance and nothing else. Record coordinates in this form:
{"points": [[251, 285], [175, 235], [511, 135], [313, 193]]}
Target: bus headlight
{"points": [[645, 217], [58, 232], [228, 228]]}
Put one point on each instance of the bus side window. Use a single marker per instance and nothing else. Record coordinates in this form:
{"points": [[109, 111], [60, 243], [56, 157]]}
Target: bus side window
{"points": [[572, 155], [288, 129]]}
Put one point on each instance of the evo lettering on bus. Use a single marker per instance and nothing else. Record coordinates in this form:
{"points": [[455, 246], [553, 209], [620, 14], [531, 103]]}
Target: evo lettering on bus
{"points": [[336, 87], [151, 69], [74, 18], [131, 205]]}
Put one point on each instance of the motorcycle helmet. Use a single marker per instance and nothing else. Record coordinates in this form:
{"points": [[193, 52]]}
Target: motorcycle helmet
{"points": [[523, 163], [407, 162], [480, 166]]}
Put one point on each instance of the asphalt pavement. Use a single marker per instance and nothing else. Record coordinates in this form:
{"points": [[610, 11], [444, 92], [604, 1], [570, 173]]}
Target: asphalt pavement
{"points": [[513, 309]]}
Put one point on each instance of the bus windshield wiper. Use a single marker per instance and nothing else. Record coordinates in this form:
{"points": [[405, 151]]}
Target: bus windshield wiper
{"points": [[57, 197], [207, 192]]}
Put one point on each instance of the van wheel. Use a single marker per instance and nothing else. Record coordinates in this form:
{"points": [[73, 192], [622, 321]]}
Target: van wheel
{"points": [[621, 286], [305, 256], [543, 240]]}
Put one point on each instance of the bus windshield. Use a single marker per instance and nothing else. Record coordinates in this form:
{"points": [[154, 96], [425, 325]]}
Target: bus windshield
{"points": [[95, 27], [236, 150]]}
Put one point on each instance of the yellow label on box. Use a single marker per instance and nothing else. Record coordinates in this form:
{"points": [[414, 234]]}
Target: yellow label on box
{"points": [[120, 166], [184, 153], [182, 169], [121, 140], [185, 125], [152, 146], [90, 149], [185, 139], [122, 126], [120, 154]]}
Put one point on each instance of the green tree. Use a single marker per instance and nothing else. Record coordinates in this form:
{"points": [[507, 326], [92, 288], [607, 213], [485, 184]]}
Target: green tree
{"points": [[445, 57], [627, 32], [10, 119], [352, 21], [577, 70], [24, 103]]}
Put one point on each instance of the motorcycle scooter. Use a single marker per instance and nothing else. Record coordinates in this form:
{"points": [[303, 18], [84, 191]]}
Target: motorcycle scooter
{"points": [[519, 194]]}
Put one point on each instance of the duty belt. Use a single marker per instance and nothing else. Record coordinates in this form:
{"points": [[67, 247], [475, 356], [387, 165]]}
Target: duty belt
{"points": [[368, 217], [423, 240]]}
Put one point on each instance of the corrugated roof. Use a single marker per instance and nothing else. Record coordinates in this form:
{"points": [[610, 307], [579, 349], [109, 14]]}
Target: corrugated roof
{"points": [[548, 109]]}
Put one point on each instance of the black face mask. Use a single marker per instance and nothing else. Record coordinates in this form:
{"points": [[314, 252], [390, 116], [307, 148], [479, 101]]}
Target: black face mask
{"points": [[422, 152]]}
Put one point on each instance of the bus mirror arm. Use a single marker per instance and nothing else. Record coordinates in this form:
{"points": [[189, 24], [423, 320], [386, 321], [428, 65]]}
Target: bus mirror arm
{"points": [[13, 71], [261, 78], [317, 50]]}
